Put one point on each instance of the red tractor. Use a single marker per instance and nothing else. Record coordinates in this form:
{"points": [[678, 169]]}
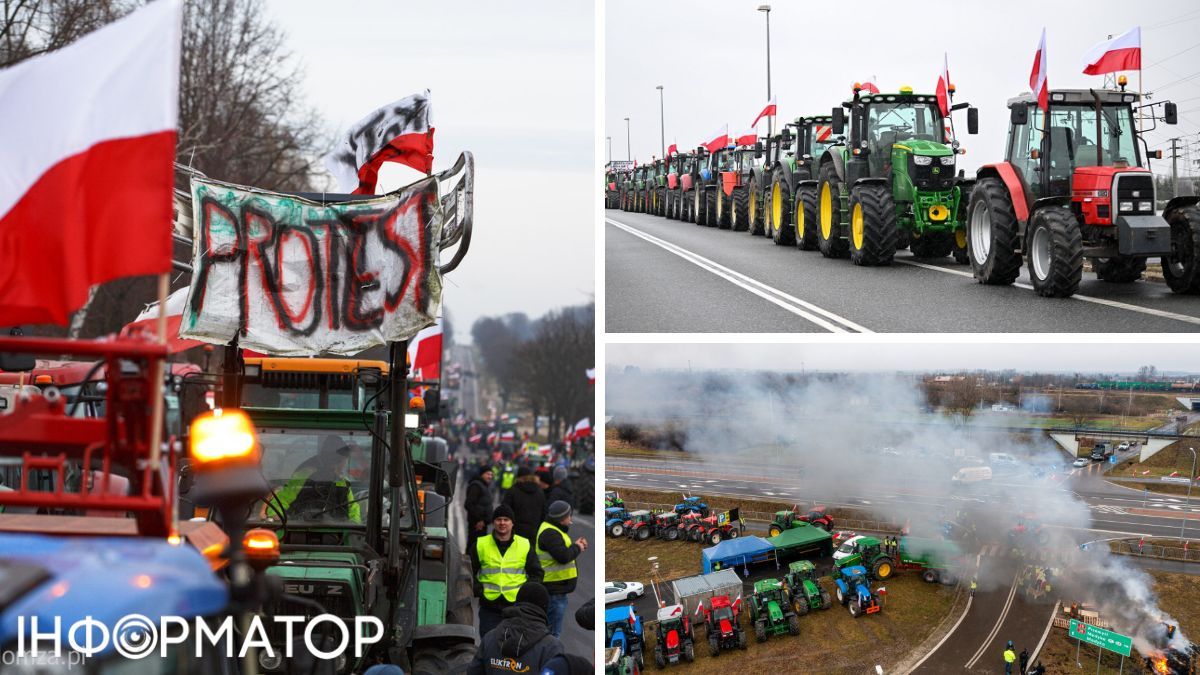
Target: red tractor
{"points": [[1075, 185], [719, 526], [674, 640], [722, 622]]}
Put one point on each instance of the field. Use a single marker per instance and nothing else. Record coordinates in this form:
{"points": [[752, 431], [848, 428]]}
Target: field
{"points": [[1173, 459]]}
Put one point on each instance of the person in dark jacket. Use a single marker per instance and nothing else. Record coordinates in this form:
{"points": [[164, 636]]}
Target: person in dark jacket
{"points": [[527, 502], [499, 571], [478, 504], [560, 489], [522, 642], [556, 556]]}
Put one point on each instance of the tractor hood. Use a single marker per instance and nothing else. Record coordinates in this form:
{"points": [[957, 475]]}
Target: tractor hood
{"points": [[327, 577], [105, 578], [922, 147]]}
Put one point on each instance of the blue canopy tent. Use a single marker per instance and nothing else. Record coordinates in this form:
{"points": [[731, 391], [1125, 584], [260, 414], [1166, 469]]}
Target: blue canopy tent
{"points": [[740, 551]]}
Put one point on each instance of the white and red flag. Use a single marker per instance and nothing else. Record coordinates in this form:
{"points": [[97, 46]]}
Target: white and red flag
{"points": [[87, 148], [748, 138], [425, 354], [148, 321], [943, 87], [720, 139], [397, 132], [583, 429], [768, 111], [1037, 77], [869, 86], [1123, 52], [673, 149]]}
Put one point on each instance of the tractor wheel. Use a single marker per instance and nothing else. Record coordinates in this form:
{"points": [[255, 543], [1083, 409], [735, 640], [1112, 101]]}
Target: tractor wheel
{"points": [[672, 533], [855, 610], [710, 207], [826, 601], [714, 537], [841, 597], [697, 216], [741, 213], [1181, 269], [1120, 270], [714, 647], [741, 638], [668, 204], [829, 215], [685, 207], [932, 245], [930, 576], [658, 658], [801, 605], [992, 234], [689, 652], [961, 252], [760, 632], [1055, 253], [662, 202], [643, 534], [872, 225], [616, 529], [431, 659], [806, 218], [882, 569], [754, 209], [724, 206], [782, 232], [734, 533], [459, 610], [774, 531], [793, 625]]}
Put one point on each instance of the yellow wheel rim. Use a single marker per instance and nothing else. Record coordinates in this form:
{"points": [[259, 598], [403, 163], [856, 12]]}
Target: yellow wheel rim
{"points": [[826, 212], [799, 219], [885, 570], [775, 531], [960, 237], [856, 227], [776, 206], [720, 202], [753, 207]]}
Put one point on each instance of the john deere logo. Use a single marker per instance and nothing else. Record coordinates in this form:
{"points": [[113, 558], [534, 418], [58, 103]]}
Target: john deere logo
{"points": [[936, 170]]}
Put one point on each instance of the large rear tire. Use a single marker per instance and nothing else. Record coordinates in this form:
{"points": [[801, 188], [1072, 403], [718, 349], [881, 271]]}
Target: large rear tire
{"points": [[806, 218], [685, 207], [436, 659], [1055, 252], [697, 205], [992, 234], [1181, 269], [782, 232], [710, 207], [1119, 270], [741, 210], [829, 214], [755, 208], [724, 206], [872, 225]]}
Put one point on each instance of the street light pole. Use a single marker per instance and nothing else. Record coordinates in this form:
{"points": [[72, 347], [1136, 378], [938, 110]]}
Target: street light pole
{"points": [[767, 10], [1188, 505], [609, 139], [628, 154], [662, 116]]}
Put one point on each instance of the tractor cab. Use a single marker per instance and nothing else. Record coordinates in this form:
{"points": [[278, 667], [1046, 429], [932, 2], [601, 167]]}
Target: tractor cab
{"points": [[612, 498], [865, 551], [692, 505], [854, 590]]}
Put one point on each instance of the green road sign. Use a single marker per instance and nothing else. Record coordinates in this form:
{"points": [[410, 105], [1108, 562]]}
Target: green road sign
{"points": [[1105, 639]]}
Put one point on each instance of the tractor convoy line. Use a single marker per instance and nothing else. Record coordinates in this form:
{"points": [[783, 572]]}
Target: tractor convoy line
{"points": [[999, 622], [769, 293]]}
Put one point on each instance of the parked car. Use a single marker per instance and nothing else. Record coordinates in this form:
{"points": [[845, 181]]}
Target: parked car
{"points": [[616, 591], [1080, 461], [1123, 447]]}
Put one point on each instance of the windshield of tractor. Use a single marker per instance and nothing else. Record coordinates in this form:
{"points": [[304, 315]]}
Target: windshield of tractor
{"points": [[319, 477], [821, 137], [889, 123], [1073, 141]]}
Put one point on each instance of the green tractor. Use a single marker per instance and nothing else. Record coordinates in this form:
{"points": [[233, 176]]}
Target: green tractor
{"points": [[807, 594], [792, 187], [771, 610], [868, 552], [635, 190], [655, 195], [748, 177], [892, 183], [616, 663]]}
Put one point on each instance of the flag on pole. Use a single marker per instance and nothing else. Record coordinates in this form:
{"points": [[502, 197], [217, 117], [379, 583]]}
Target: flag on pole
{"points": [[583, 429], [425, 354], [1037, 77], [748, 138], [87, 148], [673, 149], [397, 132], [943, 86], [869, 86], [1123, 52], [720, 139], [768, 111]]}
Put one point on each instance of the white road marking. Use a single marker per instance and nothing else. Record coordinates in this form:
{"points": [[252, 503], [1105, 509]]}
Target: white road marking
{"points": [[1195, 320], [801, 308], [999, 622]]}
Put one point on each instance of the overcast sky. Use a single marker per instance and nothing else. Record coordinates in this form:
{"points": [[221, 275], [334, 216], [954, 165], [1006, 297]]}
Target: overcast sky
{"points": [[511, 82], [710, 57], [879, 357]]}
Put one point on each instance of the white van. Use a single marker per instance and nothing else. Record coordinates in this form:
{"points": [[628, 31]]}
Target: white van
{"points": [[973, 474]]}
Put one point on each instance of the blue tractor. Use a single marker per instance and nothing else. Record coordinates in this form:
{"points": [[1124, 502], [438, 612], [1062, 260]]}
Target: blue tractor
{"points": [[623, 628], [854, 590], [614, 520], [695, 505]]}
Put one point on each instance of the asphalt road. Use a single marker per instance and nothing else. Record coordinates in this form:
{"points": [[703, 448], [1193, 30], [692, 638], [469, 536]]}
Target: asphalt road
{"points": [[666, 276], [468, 387]]}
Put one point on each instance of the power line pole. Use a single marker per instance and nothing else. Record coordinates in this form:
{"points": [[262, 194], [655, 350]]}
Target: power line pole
{"points": [[1175, 167], [662, 119], [767, 10], [628, 153]]}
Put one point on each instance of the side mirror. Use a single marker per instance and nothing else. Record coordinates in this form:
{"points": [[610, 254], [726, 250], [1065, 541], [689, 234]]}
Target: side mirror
{"points": [[16, 362], [1170, 113], [786, 135], [972, 120], [758, 150], [1018, 114], [839, 121]]}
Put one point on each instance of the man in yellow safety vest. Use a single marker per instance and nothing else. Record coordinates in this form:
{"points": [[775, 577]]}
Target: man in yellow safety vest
{"points": [[503, 561], [556, 554]]}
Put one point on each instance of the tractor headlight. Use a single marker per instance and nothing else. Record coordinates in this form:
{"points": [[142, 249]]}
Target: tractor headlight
{"points": [[1145, 206], [1125, 206], [948, 160], [922, 160], [269, 661]]}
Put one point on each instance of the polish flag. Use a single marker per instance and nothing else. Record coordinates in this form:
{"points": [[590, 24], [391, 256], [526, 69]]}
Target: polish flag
{"points": [[1123, 52], [87, 146], [869, 87], [673, 149], [591, 375], [943, 87], [147, 321], [1037, 77], [768, 111], [720, 139], [475, 439], [425, 354], [397, 132], [508, 436], [583, 429], [748, 138]]}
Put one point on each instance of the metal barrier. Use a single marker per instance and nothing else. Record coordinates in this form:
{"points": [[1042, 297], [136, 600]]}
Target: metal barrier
{"points": [[882, 526], [1133, 548]]}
